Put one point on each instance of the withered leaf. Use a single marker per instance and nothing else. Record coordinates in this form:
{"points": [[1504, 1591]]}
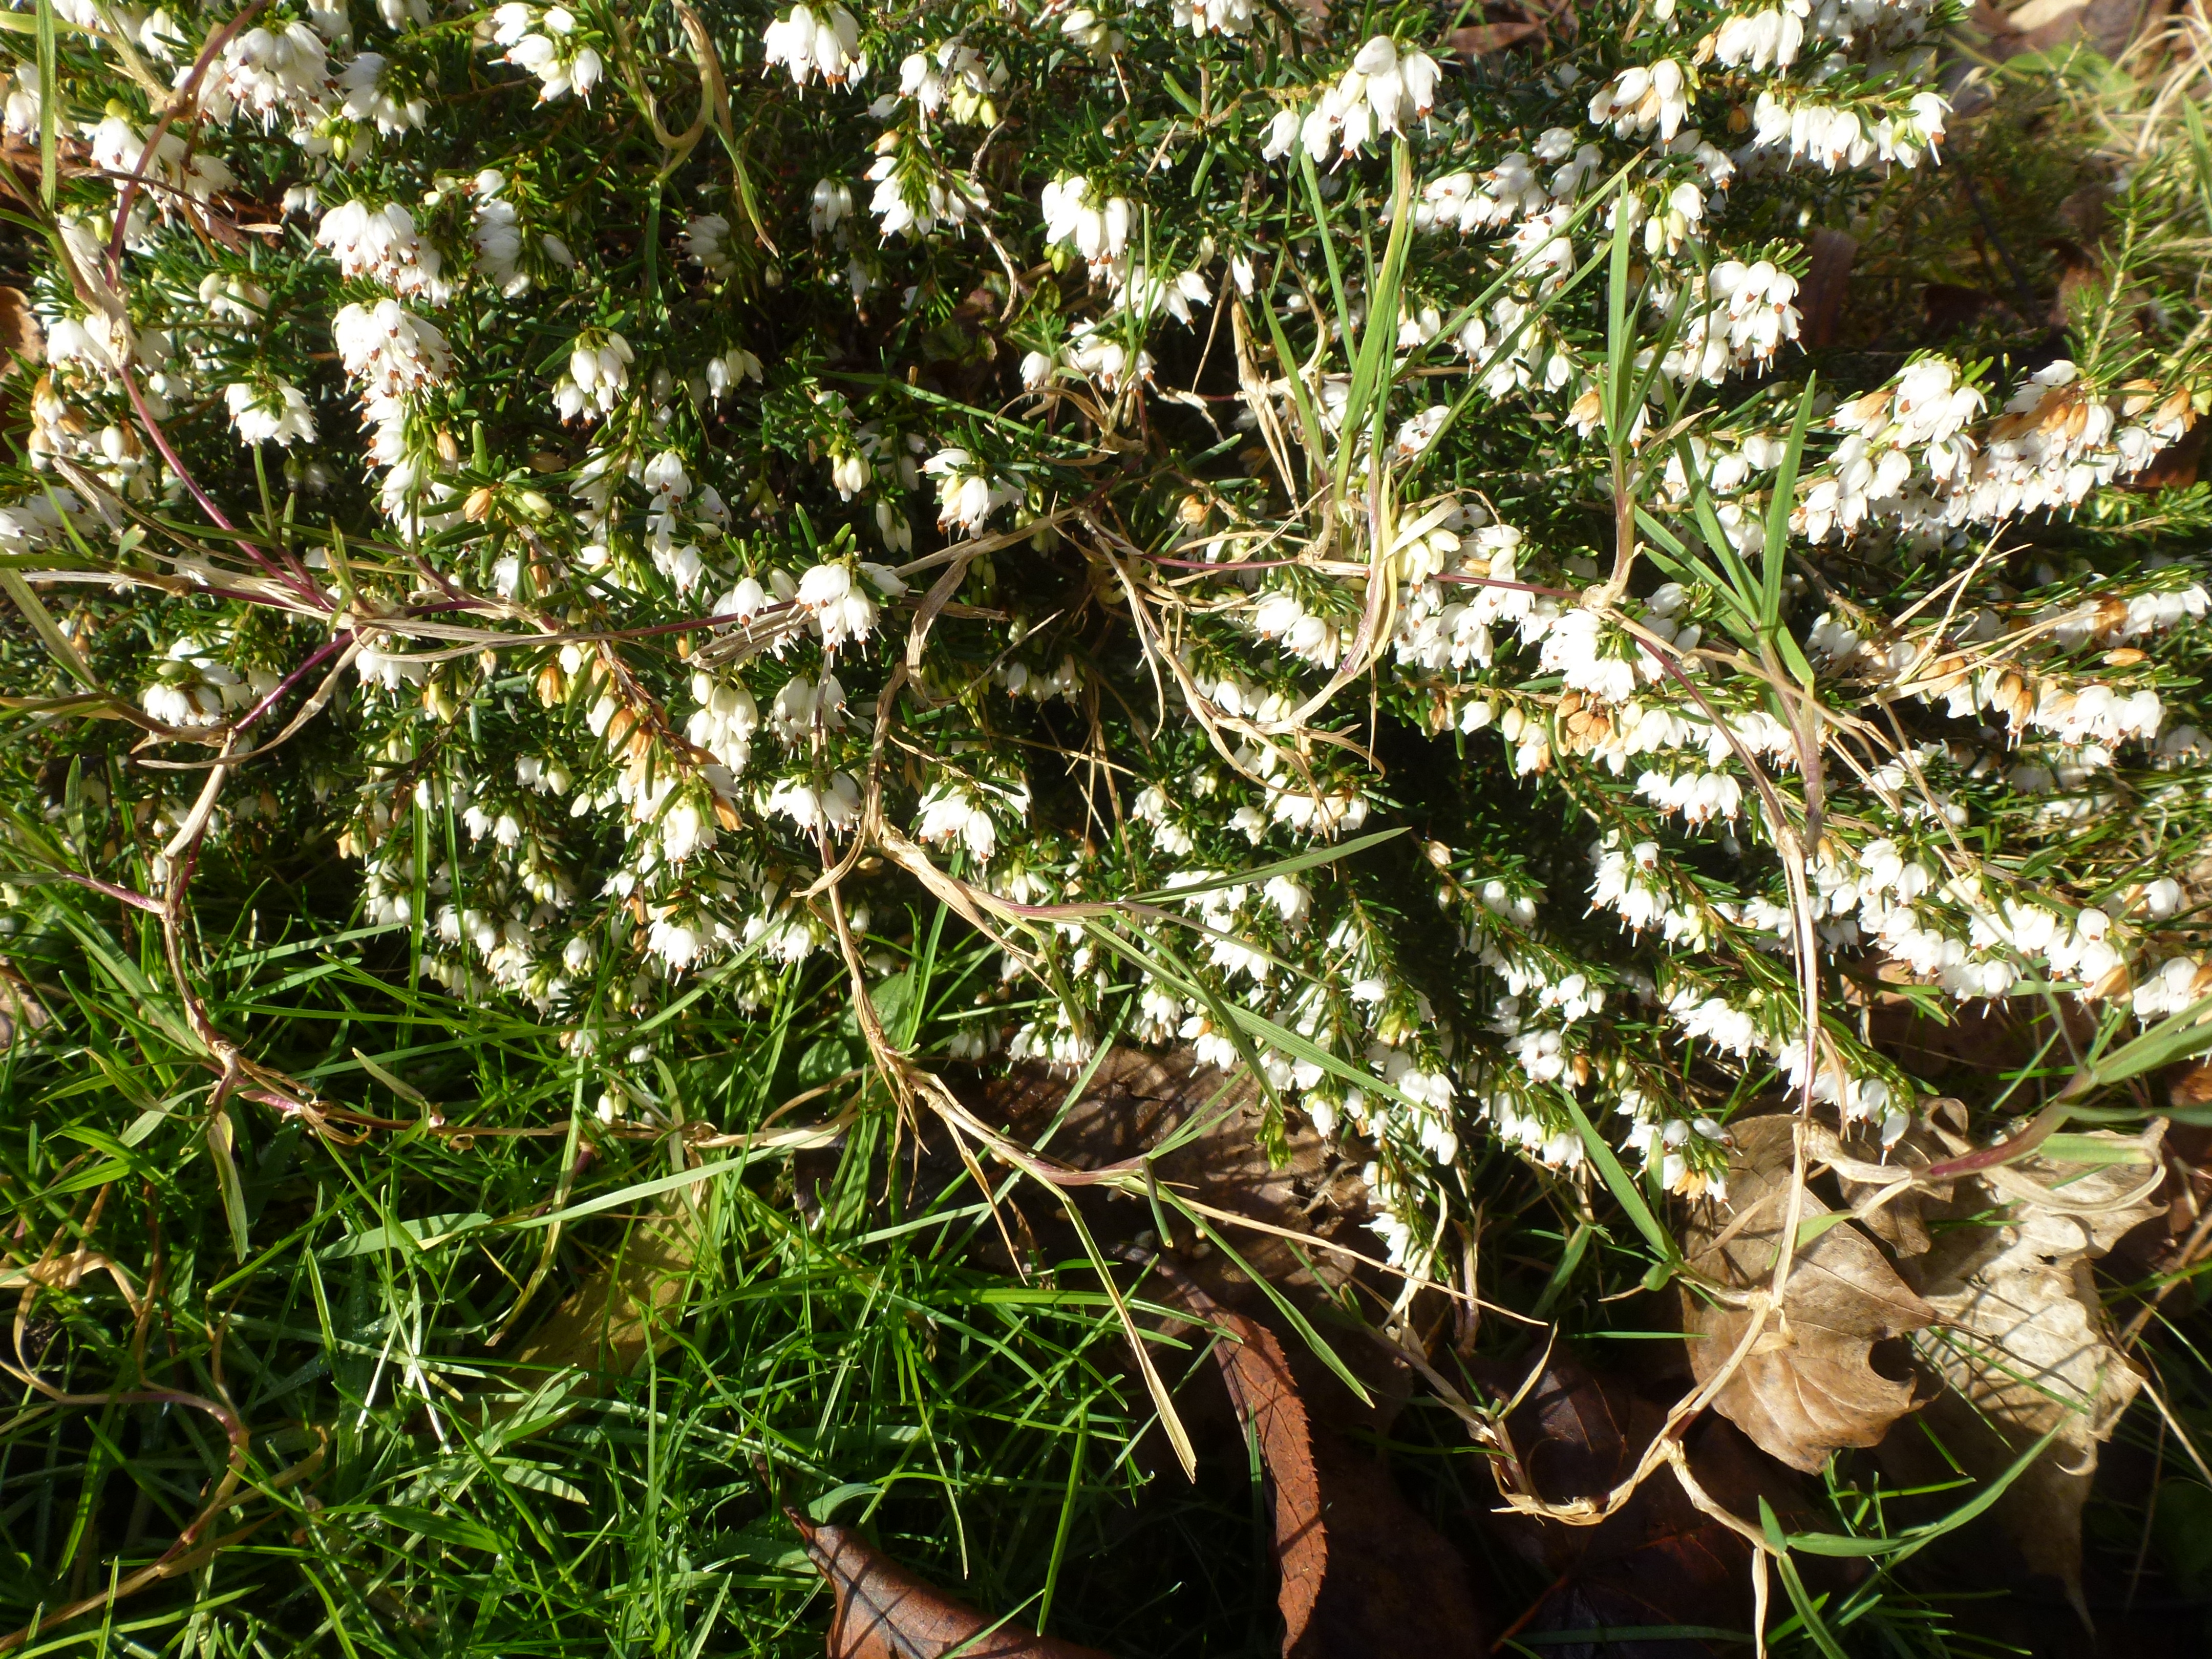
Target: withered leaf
{"points": [[1659, 1560], [604, 1325], [1886, 1186], [1267, 1403], [1483, 39], [20, 339], [1137, 1101], [20, 1007], [1808, 1387], [1827, 282], [1362, 1573], [884, 1611], [2023, 1344]]}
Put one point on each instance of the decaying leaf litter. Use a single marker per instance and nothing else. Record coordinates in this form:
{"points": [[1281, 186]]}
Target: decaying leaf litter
{"points": [[1647, 1517]]}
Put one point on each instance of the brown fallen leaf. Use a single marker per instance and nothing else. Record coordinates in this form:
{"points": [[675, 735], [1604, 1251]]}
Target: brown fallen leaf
{"points": [[1137, 1101], [2175, 467], [1362, 1573], [2023, 1344], [1827, 282], [884, 1611], [1949, 306], [20, 1007], [1808, 1387], [1483, 39], [21, 343], [604, 1325], [1883, 1185], [1657, 1561]]}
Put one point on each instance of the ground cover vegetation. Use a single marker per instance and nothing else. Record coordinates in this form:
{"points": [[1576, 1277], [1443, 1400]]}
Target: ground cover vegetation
{"points": [[1226, 827]]}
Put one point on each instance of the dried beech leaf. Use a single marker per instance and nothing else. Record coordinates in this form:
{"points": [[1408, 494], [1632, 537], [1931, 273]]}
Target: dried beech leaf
{"points": [[1827, 282], [884, 1611], [2022, 1345], [1483, 39], [1136, 1102], [2038, 14], [1866, 1174], [1808, 1388], [2193, 1087], [1659, 1560], [1362, 1574], [20, 339], [603, 1327], [20, 1007], [1267, 1400]]}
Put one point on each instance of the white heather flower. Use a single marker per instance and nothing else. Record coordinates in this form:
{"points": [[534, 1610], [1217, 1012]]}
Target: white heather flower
{"points": [[380, 244], [911, 200], [835, 806], [1293, 902], [1762, 40], [949, 813], [967, 495], [1213, 16], [666, 479], [271, 411], [1761, 309], [118, 145], [848, 472], [546, 46], [497, 233], [389, 349], [267, 75], [678, 943], [732, 366], [368, 100], [1384, 91], [597, 377], [954, 79], [20, 115], [706, 244], [2171, 990], [1280, 617], [1084, 27], [1576, 648], [1096, 228], [809, 42], [193, 687], [841, 609], [830, 205], [1638, 99], [724, 721]]}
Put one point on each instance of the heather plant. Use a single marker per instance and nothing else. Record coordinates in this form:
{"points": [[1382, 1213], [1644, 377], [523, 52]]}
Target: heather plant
{"points": [[1314, 545]]}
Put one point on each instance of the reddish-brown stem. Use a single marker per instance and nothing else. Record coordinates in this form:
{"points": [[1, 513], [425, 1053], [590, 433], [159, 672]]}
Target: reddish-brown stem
{"points": [[295, 580], [187, 93]]}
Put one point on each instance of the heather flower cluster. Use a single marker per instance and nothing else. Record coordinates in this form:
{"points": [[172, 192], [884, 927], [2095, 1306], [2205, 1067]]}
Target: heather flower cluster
{"points": [[1294, 546]]}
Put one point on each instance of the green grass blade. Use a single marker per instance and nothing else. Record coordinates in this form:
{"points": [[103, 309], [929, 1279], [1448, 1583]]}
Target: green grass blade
{"points": [[2177, 1037], [49, 104], [1301, 395], [1327, 245], [1267, 872], [49, 631], [1283, 1304], [1622, 1184], [1778, 505], [1620, 352]]}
